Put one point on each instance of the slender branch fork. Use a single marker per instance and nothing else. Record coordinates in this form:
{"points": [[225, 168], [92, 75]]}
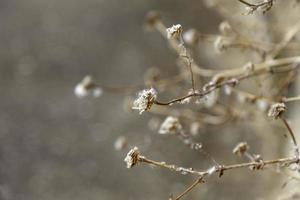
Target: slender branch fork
{"points": [[266, 5], [254, 5], [195, 183], [272, 66], [220, 169]]}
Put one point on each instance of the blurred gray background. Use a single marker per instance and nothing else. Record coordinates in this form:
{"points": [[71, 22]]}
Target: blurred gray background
{"points": [[56, 146]]}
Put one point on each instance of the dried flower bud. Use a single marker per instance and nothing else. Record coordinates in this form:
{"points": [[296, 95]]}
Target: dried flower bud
{"points": [[152, 18], [132, 157], [145, 100], [225, 28], [277, 110], [171, 125], [240, 149], [120, 143], [191, 37], [87, 87], [175, 31]]}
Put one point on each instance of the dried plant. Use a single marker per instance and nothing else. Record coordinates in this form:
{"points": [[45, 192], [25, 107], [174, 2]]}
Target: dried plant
{"points": [[216, 96]]}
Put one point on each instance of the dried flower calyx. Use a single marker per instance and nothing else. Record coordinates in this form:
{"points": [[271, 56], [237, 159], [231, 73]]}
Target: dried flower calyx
{"points": [[87, 87], [145, 100], [175, 31], [277, 110], [171, 125], [132, 157], [240, 149]]}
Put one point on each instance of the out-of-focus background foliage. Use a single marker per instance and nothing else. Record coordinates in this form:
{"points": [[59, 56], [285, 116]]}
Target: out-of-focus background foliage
{"points": [[56, 146]]}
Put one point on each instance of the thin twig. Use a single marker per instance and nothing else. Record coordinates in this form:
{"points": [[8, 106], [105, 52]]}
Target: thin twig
{"points": [[291, 134], [221, 168], [195, 183], [264, 5], [288, 37], [191, 71], [290, 99]]}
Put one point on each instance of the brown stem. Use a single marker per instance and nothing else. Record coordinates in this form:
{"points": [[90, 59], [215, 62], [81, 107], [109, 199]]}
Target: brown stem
{"points": [[290, 99], [222, 168], [195, 183], [291, 134]]}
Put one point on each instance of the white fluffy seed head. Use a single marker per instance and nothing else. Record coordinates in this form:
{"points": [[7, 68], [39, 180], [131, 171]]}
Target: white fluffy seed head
{"points": [[132, 157], [145, 100], [87, 87], [175, 31]]}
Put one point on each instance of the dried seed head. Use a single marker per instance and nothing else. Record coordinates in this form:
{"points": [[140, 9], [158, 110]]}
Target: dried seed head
{"points": [[132, 157], [152, 18], [171, 125], [277, 110], [87, 87], [175, 31], [191, 37], [145, 100], [240, 149]]}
